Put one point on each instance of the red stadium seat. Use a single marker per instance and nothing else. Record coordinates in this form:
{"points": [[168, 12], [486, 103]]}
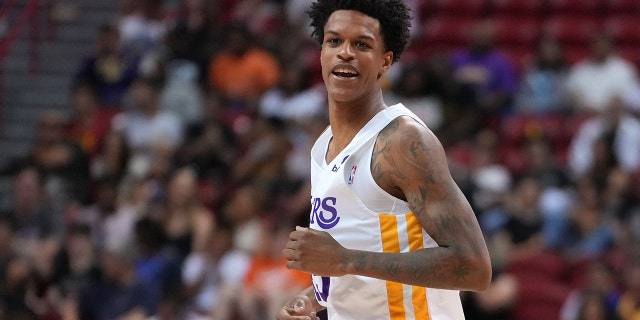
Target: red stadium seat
{"points": [[520, 7], [575, 53], [467, 7], [517, 30], [571, 29], [571, 6], [624, 28], [623, 6], [448, 29]]}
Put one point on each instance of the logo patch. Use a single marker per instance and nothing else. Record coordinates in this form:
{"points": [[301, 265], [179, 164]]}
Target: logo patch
{"points": [[352, 175]]}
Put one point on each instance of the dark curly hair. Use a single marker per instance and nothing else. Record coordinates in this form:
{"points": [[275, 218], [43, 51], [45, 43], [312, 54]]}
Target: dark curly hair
{"points": [[393, 15]]}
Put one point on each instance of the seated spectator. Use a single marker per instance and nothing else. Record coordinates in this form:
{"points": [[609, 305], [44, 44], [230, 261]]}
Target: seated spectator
{"points": [[78, 263], [31, 212], [486, 78], [242, 72], [121, 294], [542, 88], [112, 159], [269, 284], [414, 90], [596, 81], [17, 279], [264, 161], [186, 222], [212, 278], [193, 36], [63, 166], [157, 264], [629, 304], [181, 94], [109, 70], [90, 122], [152, 135], [143, 28], [588, 234], [293, 99], [609, 139], [596, 297]]}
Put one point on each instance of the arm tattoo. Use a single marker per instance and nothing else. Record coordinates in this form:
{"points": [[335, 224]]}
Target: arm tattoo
{"points": [[359, 260]]}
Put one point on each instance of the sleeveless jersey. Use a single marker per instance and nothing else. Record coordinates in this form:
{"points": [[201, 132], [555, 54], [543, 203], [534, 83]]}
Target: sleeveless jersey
{"points": [[348, 204]]}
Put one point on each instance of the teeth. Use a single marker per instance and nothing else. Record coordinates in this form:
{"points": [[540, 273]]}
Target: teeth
{"points": [[345, 70]]}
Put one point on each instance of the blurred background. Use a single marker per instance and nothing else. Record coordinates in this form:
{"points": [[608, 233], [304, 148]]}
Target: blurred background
{"points": [[154, 154]]}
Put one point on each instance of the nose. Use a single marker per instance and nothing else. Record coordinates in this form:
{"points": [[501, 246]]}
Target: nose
{"points": [[345, 53]]}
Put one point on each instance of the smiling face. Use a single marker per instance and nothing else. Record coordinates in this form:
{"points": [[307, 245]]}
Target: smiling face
{"points": [[353, 56]]}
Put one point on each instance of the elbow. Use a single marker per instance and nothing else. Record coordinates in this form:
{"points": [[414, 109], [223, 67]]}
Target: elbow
{"points": [[482, 273]]}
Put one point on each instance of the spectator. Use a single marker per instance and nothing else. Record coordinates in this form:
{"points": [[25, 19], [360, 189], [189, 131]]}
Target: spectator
{"points": [[90, 122], [542, 87], [614, 134], [143, 28], [61, 162], [595, 82], [110, 70], [16, 280], [157, 265], [486, 78], [242, 71], [293, 99], [629, 304], [212, 278], [31, 212], [193, 37], [121, 294], [416, 91], [187, 223], [113, 157], [269, 284], [78, 263], [182, 94], [152, 135]]}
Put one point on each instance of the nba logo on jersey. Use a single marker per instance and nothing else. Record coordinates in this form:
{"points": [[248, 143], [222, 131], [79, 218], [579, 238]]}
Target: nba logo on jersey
{"points": [[352, 175]]}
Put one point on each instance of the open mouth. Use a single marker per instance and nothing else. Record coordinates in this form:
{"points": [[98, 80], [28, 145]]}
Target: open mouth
{"points": [[345, 72]]}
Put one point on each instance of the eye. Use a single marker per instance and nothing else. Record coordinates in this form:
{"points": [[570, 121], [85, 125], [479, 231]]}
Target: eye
{"points": [[333, 41], [362, 45]]}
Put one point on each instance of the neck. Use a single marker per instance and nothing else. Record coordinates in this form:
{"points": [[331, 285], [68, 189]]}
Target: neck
{"points": [[347, 118]]}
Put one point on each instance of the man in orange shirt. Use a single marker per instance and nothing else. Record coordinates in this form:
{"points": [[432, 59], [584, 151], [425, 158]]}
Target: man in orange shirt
{"points": [[243, 71]]}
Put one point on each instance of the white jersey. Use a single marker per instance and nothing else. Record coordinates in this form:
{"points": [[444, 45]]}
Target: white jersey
{"points": [[348, 204]]}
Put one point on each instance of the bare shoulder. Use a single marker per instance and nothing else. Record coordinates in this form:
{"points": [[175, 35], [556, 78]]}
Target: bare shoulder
{"points": [[407, 155]]}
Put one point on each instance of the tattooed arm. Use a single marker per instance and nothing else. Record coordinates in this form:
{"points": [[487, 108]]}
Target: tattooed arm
{"points": [[409, 163]]}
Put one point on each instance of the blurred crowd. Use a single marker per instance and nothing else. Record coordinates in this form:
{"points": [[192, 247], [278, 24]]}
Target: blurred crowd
{"points": [[168, 188]]}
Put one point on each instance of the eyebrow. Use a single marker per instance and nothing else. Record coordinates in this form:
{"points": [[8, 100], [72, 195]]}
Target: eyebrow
{"points": [[364, 37]]}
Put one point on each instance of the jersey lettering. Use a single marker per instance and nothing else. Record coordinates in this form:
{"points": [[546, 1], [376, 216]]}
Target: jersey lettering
{"points": [[324, 213]]}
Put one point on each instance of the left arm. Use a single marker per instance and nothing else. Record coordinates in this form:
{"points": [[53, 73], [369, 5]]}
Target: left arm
{"points": [[409, 163]]}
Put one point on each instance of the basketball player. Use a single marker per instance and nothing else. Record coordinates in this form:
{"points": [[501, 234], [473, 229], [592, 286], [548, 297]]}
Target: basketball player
{"points": [[391, 236]]}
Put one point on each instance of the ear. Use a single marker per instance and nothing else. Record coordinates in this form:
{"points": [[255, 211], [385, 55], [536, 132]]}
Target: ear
{"points": [[387, 61]]}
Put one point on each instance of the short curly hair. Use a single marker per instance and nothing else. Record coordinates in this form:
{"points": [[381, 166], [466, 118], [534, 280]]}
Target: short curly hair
{"points": [[394, 17]]}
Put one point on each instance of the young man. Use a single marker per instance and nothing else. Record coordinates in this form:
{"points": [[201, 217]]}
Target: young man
{"points": [[391, 236]]}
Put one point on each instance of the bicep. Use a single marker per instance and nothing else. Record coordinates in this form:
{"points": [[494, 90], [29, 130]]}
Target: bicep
{"points": [[430, 190]]}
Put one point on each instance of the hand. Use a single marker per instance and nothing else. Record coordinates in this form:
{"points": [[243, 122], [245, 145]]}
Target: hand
{"points": [[315, 252], [300, 308]]}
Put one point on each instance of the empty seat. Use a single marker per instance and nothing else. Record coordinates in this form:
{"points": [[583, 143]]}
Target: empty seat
{"points": [[571, 6], [528, 7], [453, 30], [572, 29], [516, 29], [467, 7], [624, 28]]}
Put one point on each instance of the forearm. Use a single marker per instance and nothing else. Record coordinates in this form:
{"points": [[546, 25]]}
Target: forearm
{"points": [[438, 267]]}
